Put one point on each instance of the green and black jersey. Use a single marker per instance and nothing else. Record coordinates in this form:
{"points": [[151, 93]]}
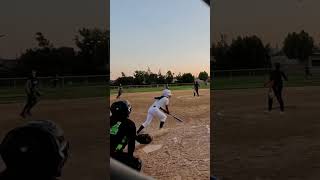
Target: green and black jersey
{"points": [[122, 133]]}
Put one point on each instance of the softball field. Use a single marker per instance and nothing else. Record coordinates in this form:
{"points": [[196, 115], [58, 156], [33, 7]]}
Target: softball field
{"points": [[180, 150], [251, 144]]}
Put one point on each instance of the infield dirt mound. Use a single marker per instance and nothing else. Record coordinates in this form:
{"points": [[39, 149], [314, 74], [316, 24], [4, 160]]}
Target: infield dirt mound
{"points": [[184, 147]]}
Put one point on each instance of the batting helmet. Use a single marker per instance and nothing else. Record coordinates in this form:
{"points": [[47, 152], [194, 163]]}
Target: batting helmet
{"points": [[37, 149], [121, 108], [166, 93]]}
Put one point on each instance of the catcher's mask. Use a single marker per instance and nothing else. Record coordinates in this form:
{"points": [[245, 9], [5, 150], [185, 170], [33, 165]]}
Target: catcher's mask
{"points": [[37, 149], [121, 108]]}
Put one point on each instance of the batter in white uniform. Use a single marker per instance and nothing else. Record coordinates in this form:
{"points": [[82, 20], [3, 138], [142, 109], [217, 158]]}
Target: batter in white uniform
{"points": [[157, 110]]}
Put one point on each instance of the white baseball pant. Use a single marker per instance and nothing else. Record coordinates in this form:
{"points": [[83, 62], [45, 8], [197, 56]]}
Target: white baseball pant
{"points": [[152, 113]]}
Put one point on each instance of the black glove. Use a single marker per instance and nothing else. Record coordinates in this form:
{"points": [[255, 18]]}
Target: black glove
{"points": [[144, 138]]}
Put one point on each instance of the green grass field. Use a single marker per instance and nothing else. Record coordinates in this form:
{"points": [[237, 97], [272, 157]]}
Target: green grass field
{"points": [[18, 95], [10, 95], [246, 82], [152, 89]]}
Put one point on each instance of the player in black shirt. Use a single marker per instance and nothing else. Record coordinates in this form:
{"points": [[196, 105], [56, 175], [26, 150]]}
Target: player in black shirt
{"points": [[119, 91], [33, 94], [196, 88], [277, 86], [122, 134]]}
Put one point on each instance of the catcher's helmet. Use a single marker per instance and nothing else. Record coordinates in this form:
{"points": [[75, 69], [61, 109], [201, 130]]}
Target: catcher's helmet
{"points": [[37, 149], [121, 108]]}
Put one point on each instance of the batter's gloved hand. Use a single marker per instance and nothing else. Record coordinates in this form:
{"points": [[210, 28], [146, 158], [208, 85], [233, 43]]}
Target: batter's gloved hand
{"points": [[144, 138]]}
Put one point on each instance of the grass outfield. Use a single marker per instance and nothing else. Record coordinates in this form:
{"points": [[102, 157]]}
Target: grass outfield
{"points": [[18, 94], [152, 89]]}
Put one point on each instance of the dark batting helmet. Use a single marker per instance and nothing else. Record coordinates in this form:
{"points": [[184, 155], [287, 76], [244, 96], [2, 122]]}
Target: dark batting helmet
{"points": [[121, 108], [37, 149]]}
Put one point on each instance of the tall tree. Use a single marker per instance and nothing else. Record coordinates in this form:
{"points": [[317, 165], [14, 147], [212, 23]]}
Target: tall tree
{"points": [[43, 42], [298, 46], [161, 78], [169, 77], [139, 77], [203, 76], [93, 45], [185, 78]]}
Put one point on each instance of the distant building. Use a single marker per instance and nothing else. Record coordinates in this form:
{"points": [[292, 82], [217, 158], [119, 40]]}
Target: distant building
{"points": [[288, 65], [7, 64], [314, 62]]}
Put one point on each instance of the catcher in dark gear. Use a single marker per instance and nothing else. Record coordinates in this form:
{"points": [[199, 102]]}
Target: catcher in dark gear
{"points": [[123, 133], [36, 151]]}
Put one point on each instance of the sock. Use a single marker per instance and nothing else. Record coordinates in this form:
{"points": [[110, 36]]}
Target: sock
{"points": [[141, 127], [161, 124]]}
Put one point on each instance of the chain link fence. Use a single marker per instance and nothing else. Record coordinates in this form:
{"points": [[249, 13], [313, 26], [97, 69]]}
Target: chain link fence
{"points": [[57, 82], [255, 78], [158, 85]]}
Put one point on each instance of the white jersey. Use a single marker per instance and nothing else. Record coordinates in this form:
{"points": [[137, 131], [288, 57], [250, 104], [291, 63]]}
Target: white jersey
{"points": [[163, 102]]}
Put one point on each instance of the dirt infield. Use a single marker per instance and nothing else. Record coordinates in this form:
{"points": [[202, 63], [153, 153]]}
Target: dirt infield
{"points": [[251, 144], [184, 152], [84, 123]]}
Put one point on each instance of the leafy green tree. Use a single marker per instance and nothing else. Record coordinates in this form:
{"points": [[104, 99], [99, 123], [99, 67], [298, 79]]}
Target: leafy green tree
{"points": [[43, 42], [298, 46], [248, 53], [203, 76], [139, 77], [161, 78], [93, 45], [185, 78], [169, 77]]}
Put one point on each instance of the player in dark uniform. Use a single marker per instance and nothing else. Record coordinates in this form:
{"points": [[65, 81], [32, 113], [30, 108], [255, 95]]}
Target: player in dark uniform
{"points": [[35, 151], [55, 81], [119, 91], [33, 94], [122, 134], [277, 86], [196, 88]]}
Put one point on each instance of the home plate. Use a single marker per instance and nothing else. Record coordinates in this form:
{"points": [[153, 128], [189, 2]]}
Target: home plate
{"points": [[151, 148], [160, 132]]}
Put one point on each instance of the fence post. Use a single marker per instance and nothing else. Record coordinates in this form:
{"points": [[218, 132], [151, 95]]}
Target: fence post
{"points": [[87, 81], [62, 82]]}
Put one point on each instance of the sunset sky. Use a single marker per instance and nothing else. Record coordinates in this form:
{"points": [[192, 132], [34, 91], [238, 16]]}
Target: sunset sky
{"points": [[163, 35]]}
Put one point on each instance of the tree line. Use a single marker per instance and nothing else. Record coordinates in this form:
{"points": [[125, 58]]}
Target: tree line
{"points": [[141, 77], [91, 56], [250, 52]]}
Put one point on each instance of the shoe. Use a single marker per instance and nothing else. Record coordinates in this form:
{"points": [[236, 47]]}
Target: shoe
{"points": [[29, 114], [23, 115]]}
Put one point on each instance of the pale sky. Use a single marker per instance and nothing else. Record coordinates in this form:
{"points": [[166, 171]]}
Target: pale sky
{"points": [[167, 35]]}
